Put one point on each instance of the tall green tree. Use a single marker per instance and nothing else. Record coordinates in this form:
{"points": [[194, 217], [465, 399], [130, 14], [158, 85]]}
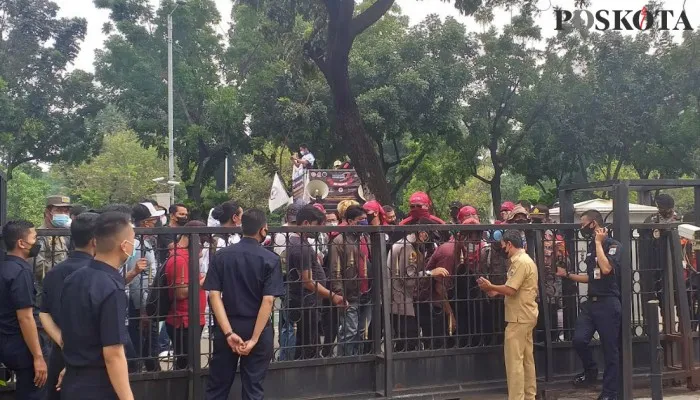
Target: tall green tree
{"points": [[26, 195], [44, 107], [132, 68], [335, 27]]}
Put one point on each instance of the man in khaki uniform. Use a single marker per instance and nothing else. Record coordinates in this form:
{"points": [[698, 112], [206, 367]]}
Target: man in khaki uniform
{"points": [[54, 249], [520, 293]]}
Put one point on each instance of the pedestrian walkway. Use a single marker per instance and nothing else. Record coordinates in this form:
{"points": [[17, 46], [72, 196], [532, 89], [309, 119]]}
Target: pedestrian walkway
{"points": [[671, 393]]}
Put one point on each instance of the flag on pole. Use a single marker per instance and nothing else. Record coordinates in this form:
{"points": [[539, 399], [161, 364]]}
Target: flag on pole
{"points": [[278, 195]]}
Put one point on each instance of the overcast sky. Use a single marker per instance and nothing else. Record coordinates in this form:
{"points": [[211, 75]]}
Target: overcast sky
{"points": [[415, 9]]}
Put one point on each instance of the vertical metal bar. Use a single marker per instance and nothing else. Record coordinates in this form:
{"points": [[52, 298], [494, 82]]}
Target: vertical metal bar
{"points": [[194, 355], [684, 327], [541, 268], [622, 232], [655, 349], [644, 197], [569, 289], [381, 313]]}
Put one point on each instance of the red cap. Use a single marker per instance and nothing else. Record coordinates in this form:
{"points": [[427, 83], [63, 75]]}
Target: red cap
{"points": [[507, 206], [320, 207], [419, 198], [467, 211]]}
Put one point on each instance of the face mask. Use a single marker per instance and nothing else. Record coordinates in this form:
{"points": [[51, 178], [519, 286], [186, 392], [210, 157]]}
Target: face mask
{"points": [[34, 250], [181, 221], [61, 220], [333, 223], [587, 231], [304, 152], [163, 220], [131, 256], [363, 223]]}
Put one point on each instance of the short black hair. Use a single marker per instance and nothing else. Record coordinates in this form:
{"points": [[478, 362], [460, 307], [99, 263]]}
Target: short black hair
{"points": [[513, 237], [82, 229], [594, 215], [225, 211], [252, 221], [15, 230], [120, 208], [353, 212], [309, 214], [77, 209], [303, 146], [664, 201], [388, 209], [108, 226], [173, 208]]}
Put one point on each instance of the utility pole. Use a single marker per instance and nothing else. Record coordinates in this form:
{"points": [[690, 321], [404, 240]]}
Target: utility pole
{"points": [[171, 146]]}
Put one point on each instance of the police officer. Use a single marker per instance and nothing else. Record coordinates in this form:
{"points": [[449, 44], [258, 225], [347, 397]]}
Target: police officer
{"points": [[243, 281], [602, 311], [93, 311], [83, 237], [20, 347], [520, 291]]}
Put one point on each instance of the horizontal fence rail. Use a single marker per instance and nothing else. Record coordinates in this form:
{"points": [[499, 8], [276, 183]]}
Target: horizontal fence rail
{"points": [[406, 316]]}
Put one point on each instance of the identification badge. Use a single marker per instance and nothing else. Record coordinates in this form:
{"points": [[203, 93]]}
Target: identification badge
{"points": [[612, 251], [596, 273]]}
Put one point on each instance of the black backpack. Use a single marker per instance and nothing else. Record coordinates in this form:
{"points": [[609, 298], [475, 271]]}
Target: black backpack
{"points": [[159, 302]]}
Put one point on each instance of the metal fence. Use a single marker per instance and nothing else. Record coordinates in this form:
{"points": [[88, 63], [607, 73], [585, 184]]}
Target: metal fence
{"points": [[398, 331]]}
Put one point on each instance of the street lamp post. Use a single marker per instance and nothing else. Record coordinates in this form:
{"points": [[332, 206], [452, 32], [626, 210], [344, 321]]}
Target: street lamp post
{"points": [[171, 146]]}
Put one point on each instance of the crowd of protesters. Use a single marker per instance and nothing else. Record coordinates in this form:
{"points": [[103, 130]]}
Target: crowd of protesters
{"points": [[439, 298]]}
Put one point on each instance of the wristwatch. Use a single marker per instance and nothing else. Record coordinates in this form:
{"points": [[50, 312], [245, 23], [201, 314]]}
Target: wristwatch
{"points": [[228, 334]]}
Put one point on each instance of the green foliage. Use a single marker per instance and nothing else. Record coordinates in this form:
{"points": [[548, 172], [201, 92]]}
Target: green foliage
{"points": [[121, 173], [26, 197], [44, 107], [252, 186]]}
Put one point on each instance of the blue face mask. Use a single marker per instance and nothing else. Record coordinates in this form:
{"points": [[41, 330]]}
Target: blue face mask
{"points": [[132, 256], [364, 222], [60, 220]]}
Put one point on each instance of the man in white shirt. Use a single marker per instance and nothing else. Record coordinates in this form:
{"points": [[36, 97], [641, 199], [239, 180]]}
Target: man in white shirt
{"points": [[307, 159]]}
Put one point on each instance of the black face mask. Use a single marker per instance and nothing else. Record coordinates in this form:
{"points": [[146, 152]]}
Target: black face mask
{"points": [[181, 221], [34, 250], [587, 231]]}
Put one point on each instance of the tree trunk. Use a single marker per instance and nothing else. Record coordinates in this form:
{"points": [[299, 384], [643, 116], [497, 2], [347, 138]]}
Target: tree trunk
{"points": [[348, 121], [496, 190]]}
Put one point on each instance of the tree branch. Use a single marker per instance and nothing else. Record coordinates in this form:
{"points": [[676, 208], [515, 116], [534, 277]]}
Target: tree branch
{"points": [[370, 16], [481, 178], [409, 172]]}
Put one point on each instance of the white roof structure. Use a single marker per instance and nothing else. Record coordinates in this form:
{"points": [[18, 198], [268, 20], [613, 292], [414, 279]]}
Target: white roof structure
{"points": [[638, 212]]}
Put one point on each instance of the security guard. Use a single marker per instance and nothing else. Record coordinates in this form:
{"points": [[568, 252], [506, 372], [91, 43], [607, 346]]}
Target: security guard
{"points": [[521, 315], [20, 346], [93, 311], [602, 311], [243, 281], [83, 237]]}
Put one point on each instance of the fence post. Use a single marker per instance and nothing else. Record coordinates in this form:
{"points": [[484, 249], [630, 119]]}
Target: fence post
{"points": [[655, 349], [3, 198], [544, 301], [621, 224], [194, 354], [381, 297]]}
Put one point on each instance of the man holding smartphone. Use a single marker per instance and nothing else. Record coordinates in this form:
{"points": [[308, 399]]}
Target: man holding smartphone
{"points": [[602, 312]]}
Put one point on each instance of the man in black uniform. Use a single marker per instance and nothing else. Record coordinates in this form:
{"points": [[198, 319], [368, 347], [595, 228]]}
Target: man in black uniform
{"points": [[20, 346], [93, 311], [602, 311], [82, 232], [243, 281]]}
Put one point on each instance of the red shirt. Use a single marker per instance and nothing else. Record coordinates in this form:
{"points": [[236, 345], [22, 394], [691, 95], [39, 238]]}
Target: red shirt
{"points": [[177, 273]]}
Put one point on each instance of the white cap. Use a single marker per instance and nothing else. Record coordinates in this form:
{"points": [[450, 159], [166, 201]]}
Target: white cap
{"points": [[152, 210]]}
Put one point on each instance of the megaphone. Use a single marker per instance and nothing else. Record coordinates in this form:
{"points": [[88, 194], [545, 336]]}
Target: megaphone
{"points": [[316, 189], [361, 193]]}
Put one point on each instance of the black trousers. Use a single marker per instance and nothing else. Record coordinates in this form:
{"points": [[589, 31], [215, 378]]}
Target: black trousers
{"points": [[15, 355], [329, 325], [87, 384], [56, 365], [224, 363], [405, 332], [181, 344], [307, 333]]}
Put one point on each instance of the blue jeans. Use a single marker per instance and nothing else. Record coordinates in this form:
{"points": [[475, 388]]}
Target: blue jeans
{"points": [[163, 339], [145, 341], [353, 323], [286, 337]]}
